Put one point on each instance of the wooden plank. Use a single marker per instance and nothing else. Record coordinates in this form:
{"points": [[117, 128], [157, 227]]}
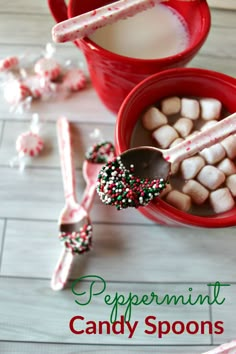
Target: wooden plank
{"points": [[214, 63], [225, 4], [39, 348], [136, 252], [25, 7], [2, 227], [34, 313], [38, 194], [225, 313], [81, 136], [1, 133]]}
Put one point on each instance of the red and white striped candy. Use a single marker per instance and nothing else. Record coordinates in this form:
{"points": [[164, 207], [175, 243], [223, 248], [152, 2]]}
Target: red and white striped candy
{"points": [[29, 144], [74, 80], [16, 91], [8, 63], [48, 68]]}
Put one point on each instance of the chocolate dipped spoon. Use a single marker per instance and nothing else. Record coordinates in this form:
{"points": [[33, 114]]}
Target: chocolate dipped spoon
{"points": [[138, 175]]}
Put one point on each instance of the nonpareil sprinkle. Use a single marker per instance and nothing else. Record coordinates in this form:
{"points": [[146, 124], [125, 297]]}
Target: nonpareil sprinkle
{"points": [[78, 241], [118, 186], [101, 153]]}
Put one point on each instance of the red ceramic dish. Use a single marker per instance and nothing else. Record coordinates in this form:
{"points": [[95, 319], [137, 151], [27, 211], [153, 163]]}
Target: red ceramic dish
{"points": [[113, 75], [180, 82]]}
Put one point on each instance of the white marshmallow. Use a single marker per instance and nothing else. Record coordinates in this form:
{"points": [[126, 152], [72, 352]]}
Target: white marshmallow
{"points": [[171, 105], [208, 124], [190, 108], [210, 108], [165, 135], [191, 166], [166, 190], [211, 177], [153, 118], [213, 154], [231, 184], [183, 126], [227, 167], [179, 200], [196, 191], [221, 200], [229, 144]]}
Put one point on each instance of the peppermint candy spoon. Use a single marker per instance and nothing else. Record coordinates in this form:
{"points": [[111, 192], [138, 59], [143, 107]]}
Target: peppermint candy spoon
{"points": [[85, 24], [138, 175]]}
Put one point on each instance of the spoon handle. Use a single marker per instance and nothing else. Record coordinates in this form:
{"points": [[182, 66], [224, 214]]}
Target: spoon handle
{"points": [[83, 25], [68, 171], [62, 270], [204, 139]]}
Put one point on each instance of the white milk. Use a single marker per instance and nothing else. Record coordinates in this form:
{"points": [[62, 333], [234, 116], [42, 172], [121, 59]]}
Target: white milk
{"points": [[155, 33]]}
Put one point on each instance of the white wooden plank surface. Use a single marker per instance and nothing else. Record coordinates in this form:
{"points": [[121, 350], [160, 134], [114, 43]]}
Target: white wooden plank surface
{"points": [[35, 314], [129, 251], [119, 245], [38, 348], [226, 313], [2, 229]]}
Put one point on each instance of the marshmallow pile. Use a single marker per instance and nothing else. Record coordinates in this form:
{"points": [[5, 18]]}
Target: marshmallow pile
{"points": [[207, 178]]}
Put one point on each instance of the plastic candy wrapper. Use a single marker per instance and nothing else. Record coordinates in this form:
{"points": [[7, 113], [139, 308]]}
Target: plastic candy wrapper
{"points": [[28, 144], [25, 79]]}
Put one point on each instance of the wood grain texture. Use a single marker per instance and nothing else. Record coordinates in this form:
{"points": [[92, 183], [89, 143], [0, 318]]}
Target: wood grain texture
{"points": [[120, 245], [39, 348], [130, 252], [226, 313], [35, 314]]}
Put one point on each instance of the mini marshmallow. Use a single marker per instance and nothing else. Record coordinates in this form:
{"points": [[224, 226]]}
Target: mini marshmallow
{"points": [[211, 177], [171, 105], [231, 184], [176, 142], [210, 108], [165, 135], [191, 166], [192, 134], [165, 191], [196, 191], [208, 124], [213, 154], [190, 108], [221, 200], [229, 144], [153, 118], [227, 167], [179, 200], [183, 126]]}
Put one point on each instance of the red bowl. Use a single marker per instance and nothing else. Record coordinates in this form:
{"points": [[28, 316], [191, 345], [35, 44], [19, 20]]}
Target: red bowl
{"points": [[113, 76], [175, 82]]}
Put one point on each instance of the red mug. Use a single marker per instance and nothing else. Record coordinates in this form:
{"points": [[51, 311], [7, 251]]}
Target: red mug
{"points": [[113, 76], [175, 82]]}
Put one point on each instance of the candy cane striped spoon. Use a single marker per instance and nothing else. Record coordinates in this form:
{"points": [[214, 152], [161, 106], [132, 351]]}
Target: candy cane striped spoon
{"points": [[75, 224]]}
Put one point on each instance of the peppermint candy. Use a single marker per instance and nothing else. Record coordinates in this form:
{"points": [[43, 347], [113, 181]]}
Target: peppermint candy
{"points": [[29, 144], [8, 63], [47, 68], [74, 80]]}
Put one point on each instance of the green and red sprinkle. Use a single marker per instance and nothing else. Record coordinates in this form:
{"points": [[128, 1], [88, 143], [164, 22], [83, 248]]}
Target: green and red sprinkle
{"points": [[78, 241], [118, 186], [101, 153]]}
